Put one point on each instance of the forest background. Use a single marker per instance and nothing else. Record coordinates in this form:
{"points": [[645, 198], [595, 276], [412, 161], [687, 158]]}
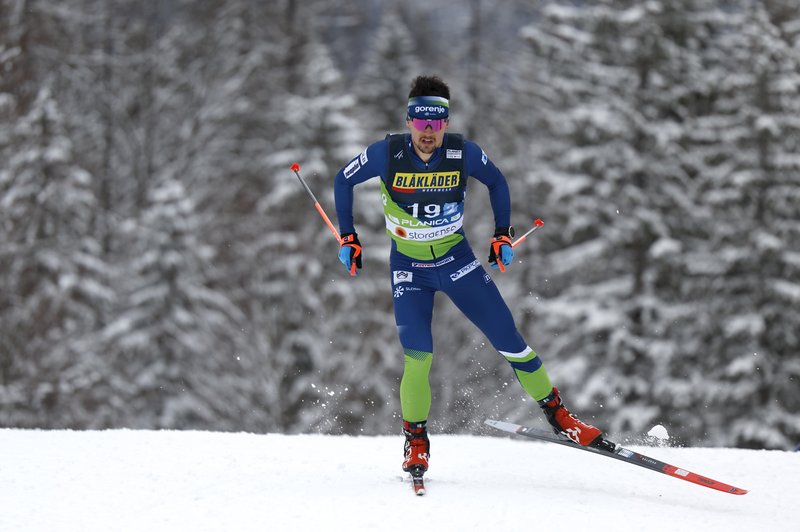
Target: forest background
{"points": [[161, 267]]}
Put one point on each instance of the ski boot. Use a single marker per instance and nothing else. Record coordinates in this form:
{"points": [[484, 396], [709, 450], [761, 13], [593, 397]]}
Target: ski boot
{"points": [[416, 448], [565, 422]]}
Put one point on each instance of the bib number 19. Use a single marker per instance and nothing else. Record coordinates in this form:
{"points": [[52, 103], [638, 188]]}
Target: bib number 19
{"points": [[432, 210]]}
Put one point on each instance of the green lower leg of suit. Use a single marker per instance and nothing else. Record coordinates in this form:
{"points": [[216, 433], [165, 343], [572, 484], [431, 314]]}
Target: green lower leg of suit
{"points": [[537, 382], [415, 388]]}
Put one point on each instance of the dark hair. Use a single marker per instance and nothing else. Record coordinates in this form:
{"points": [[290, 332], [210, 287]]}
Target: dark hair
{"points": [[429, 86]]}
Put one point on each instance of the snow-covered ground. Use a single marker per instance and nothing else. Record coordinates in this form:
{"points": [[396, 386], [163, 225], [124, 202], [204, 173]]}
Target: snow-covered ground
{"points": [[145, 481]]}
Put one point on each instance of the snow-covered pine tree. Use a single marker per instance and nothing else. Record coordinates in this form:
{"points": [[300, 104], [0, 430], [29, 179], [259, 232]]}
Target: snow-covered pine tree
{"points": [[227, 139], [322, 335], [745, 275], [382, 82], [175, 340], [615, 87], [54, 280]]}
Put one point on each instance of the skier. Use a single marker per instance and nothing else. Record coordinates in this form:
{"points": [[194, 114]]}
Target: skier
{"points": [[423, 177]]}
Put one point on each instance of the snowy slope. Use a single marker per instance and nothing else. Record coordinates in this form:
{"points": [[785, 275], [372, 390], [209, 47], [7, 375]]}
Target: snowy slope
{"points": [[142, 480]]}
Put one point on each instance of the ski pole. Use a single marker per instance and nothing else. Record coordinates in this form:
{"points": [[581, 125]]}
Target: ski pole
{"points": [[296, 169], [536, 225]]}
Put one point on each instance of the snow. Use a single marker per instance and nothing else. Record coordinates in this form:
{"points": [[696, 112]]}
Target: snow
{"points": [[183, 480], [659, 432]]}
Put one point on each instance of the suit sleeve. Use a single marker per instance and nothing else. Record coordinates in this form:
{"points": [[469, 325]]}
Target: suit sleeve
{"points": [[483, 169], [368, 164]]}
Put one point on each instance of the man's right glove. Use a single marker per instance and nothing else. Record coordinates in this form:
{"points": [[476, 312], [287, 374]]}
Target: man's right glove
{"points": [[350, 252]]}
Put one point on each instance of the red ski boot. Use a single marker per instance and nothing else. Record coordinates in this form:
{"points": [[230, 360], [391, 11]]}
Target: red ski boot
{"points": [[417, 446], [565, 422]]}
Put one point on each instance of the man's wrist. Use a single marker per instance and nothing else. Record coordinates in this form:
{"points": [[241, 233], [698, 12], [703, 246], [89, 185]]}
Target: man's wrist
{"points": [[504, 231]]}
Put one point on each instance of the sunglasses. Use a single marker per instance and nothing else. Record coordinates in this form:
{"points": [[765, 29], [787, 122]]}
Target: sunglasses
{"points": [[421, 123]]}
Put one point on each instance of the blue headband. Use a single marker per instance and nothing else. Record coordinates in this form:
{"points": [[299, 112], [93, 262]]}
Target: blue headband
{"points": [[428, 107]]}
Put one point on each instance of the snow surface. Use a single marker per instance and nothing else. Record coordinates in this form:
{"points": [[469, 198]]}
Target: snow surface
{"points": [[170, 480]]}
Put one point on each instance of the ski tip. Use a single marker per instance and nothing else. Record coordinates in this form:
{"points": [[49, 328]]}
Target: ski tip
{"points": [[420, 492]]}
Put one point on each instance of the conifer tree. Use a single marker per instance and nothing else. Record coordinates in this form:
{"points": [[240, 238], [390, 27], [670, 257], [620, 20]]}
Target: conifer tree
{"points": [[746, 273], [175, 340], [614, 92], [54, 280], [54, 285]]}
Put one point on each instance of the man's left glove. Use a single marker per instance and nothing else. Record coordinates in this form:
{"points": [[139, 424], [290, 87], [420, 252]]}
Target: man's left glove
{"points": [[350, 252], [501, 249]]}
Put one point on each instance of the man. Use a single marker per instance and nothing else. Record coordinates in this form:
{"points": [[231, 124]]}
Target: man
{"points": [[423, 177]]}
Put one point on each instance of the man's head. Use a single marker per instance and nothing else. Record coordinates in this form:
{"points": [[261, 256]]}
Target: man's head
{"points": [[428, 114]]}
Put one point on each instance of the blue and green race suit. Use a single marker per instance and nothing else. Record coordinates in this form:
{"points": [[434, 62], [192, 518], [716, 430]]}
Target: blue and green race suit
{"points": [[423, 206]]}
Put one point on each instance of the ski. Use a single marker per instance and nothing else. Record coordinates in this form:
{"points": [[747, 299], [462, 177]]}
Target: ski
{"points": [[613, 450], [416, 480]]}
